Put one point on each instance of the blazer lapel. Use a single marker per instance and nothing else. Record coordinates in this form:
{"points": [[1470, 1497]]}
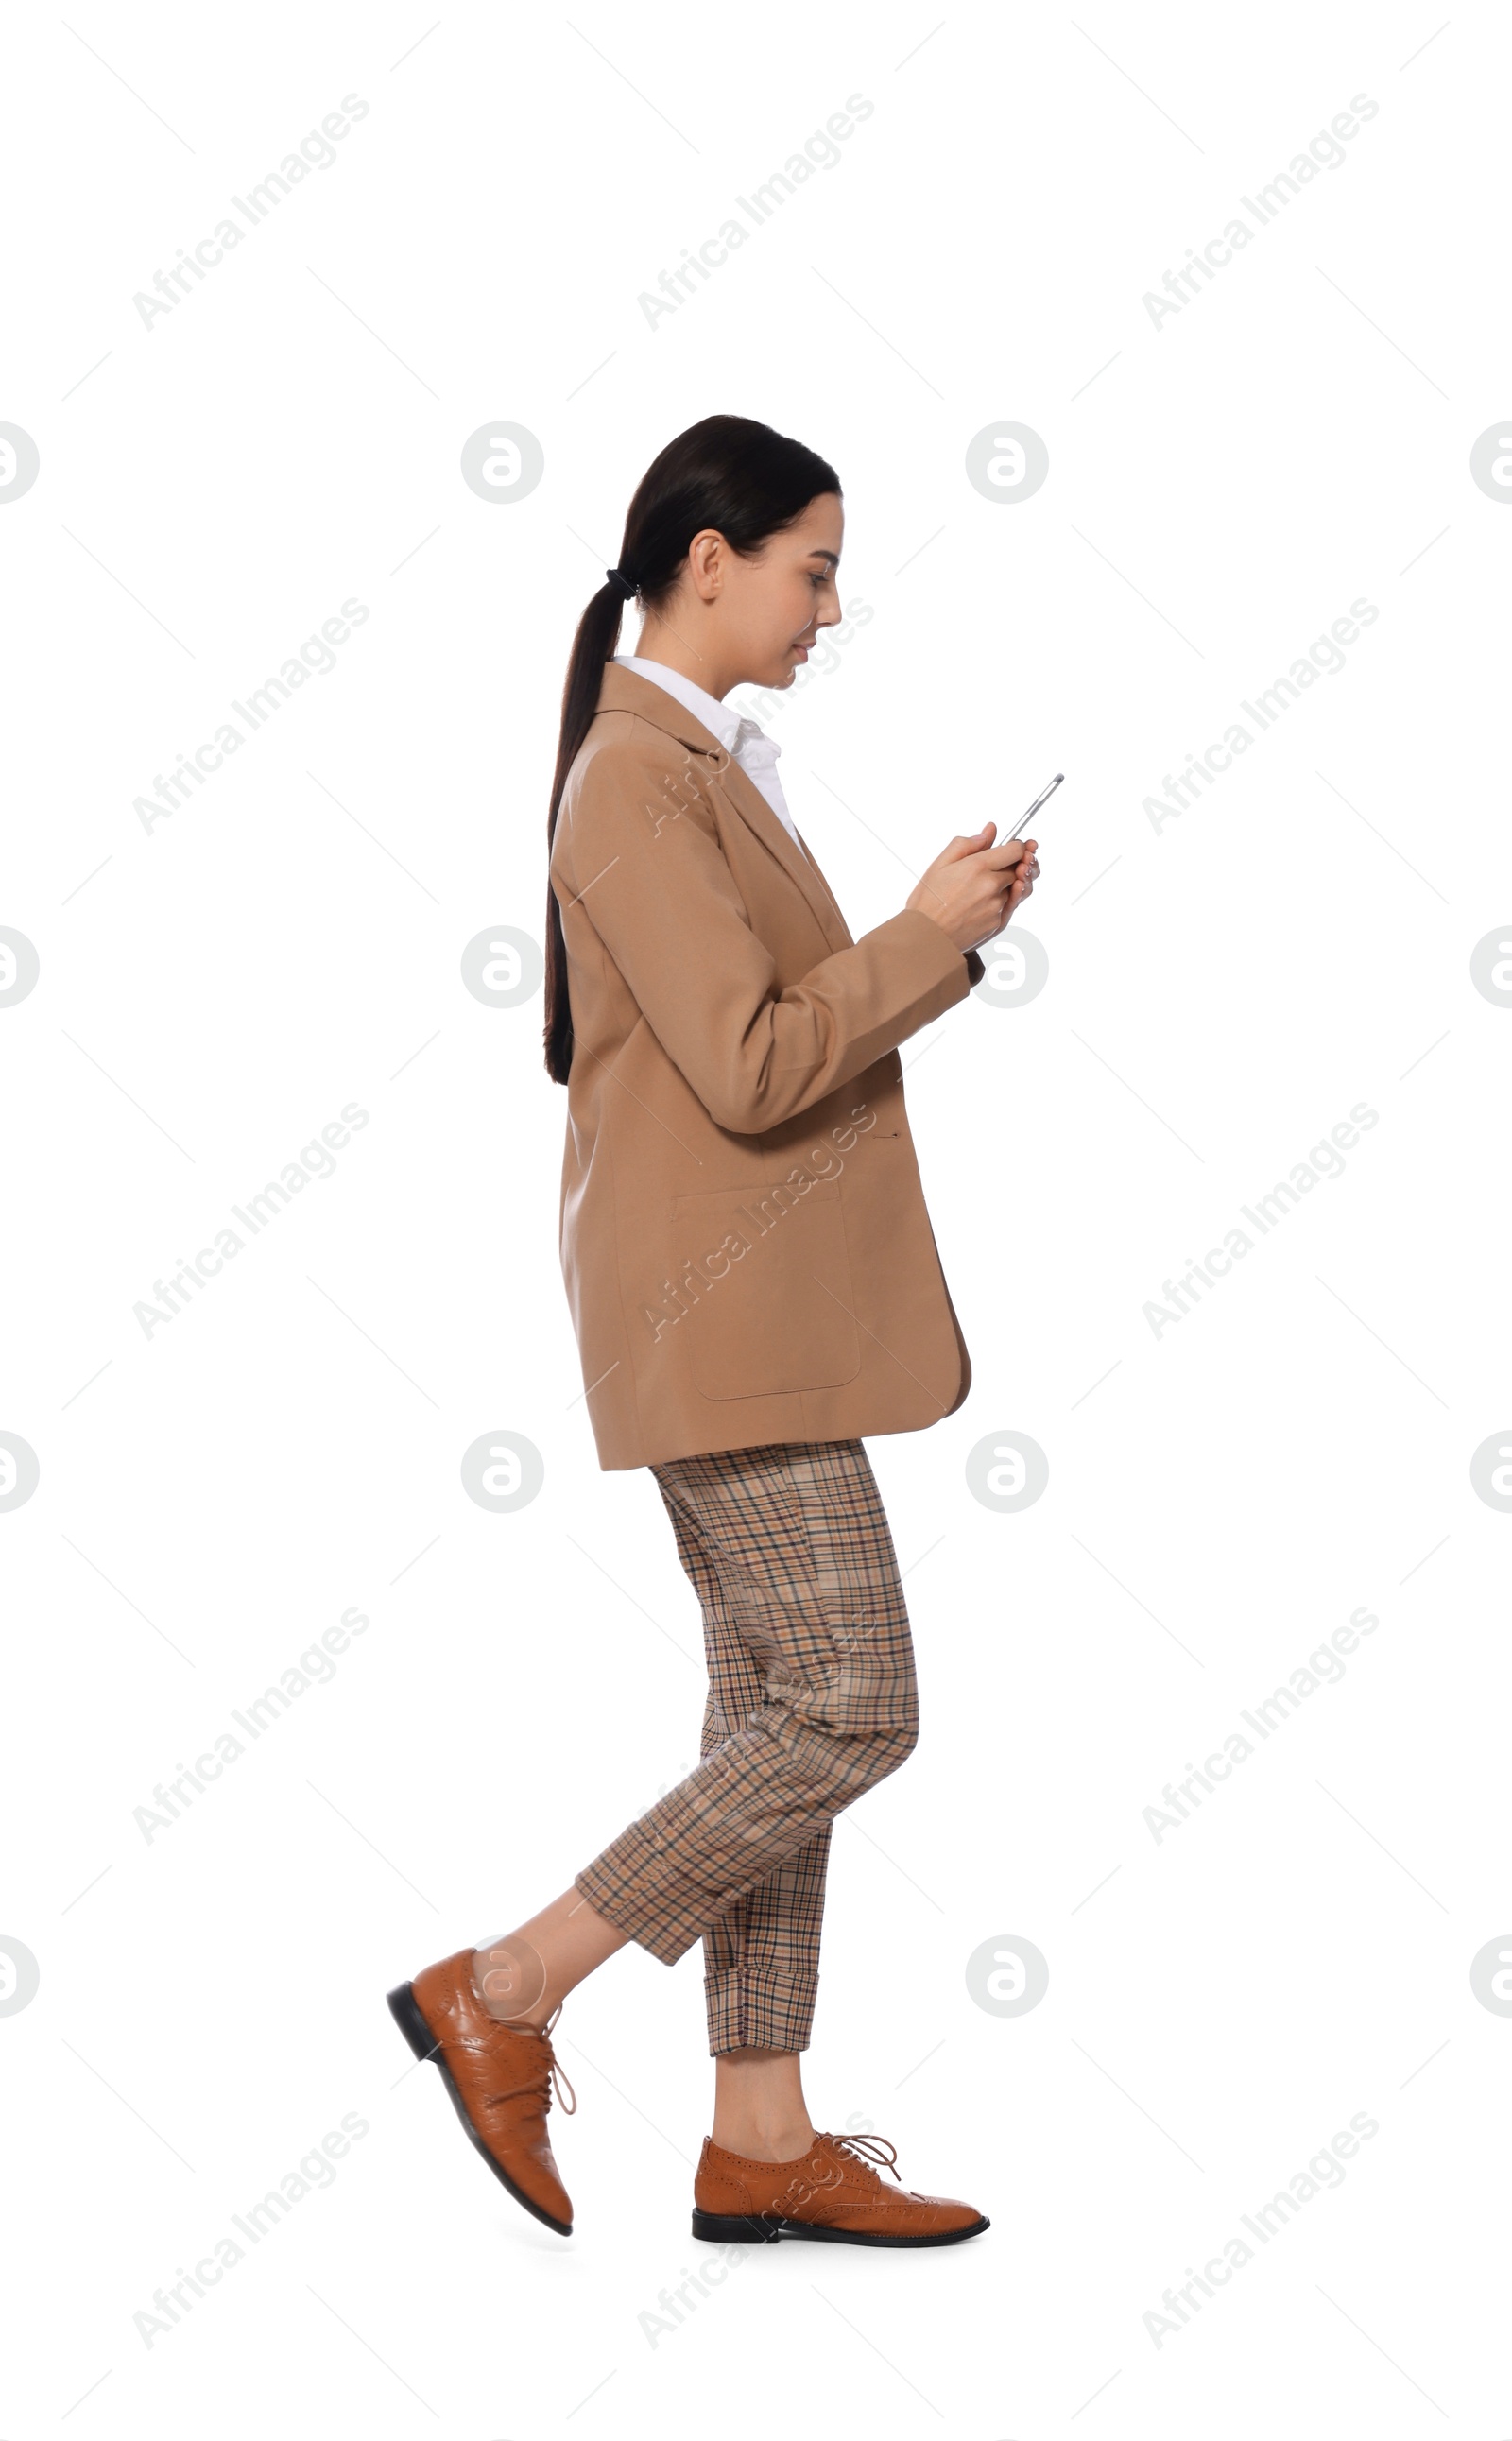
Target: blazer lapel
{"points": [[627, 690], [741, 791]]}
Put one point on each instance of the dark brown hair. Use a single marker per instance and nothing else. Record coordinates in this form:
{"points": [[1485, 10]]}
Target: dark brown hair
{"points": [[747, 482]]}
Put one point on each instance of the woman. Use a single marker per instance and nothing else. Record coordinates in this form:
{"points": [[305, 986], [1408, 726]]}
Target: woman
{"points": [[754, 1285]]}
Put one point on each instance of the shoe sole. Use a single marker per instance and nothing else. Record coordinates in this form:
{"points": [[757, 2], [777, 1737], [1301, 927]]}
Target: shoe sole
{"points": [[415, 2027], [734, 2228]]}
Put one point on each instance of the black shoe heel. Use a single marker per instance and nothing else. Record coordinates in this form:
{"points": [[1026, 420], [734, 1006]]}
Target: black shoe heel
{"points": [[734, 2228], [406, 2015]]}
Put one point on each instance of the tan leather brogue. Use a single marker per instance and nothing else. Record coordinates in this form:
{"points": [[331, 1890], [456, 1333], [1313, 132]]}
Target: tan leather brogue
{"points": [[834, 2192], [499, 2076]]}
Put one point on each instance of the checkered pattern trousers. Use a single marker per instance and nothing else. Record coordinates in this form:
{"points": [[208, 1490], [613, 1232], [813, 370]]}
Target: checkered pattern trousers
{"points": [[812, 1700]]}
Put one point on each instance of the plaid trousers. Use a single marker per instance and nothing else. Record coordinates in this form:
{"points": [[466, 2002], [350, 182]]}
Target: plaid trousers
{"points": [[812, 1700]]}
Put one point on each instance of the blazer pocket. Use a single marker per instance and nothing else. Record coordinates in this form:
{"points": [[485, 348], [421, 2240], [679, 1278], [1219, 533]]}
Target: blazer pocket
{"points": [[764, 1274]]}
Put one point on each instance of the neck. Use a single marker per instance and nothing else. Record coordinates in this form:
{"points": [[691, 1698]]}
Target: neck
{"points": [[659, 641]]}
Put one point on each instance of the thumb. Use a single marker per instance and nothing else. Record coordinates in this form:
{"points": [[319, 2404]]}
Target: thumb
{"points": [[968, 844]]}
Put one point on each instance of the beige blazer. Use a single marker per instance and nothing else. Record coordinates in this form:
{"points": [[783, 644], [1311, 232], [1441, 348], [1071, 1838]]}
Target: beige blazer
{"points": [[744, 1238]]}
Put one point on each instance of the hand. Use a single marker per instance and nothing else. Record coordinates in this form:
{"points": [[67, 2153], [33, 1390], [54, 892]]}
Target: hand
{"points": [[973, 886]]}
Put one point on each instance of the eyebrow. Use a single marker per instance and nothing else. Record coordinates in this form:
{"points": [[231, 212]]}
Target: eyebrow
{"points": [[833, 556]]}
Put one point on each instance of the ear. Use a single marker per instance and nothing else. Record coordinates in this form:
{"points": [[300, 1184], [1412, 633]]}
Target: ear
{"points": [[706, 563]]}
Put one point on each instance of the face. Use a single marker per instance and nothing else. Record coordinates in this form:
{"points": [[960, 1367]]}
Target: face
{"points": [[767, 610]]}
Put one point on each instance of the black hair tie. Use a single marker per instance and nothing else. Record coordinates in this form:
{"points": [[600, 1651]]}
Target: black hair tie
{"points": [[622, 585]]}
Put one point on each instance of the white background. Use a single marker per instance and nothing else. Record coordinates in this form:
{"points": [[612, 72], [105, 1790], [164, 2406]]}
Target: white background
{"points": [[1221, 991]]}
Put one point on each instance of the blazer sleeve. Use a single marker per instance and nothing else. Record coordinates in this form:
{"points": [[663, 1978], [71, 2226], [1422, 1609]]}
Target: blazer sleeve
{"points": [[658, 892]]}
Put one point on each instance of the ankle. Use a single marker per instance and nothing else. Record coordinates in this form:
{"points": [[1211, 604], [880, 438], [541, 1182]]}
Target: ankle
{"points": [[767, 2144], [506, 1994]]}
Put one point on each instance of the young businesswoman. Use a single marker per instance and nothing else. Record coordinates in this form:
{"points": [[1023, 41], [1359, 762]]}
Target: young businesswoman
{"points": [[754, 1285]]}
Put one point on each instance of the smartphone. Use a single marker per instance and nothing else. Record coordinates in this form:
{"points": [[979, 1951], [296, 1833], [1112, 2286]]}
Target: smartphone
{"points": [[1018, 829]]}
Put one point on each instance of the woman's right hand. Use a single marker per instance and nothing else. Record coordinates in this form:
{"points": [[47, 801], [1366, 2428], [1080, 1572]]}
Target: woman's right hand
{"points": [[973, 886]]}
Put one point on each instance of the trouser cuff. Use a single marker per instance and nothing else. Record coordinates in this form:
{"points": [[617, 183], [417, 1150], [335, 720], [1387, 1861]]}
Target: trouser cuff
{"points": [[624, 1903], [774, 2012]]}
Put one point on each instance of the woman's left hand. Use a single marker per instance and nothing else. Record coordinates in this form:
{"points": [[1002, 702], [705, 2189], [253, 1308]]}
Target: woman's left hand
{"points": [[1023, 874]]}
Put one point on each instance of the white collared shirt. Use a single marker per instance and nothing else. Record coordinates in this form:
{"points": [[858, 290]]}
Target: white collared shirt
{"points": [[742, 737]]}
